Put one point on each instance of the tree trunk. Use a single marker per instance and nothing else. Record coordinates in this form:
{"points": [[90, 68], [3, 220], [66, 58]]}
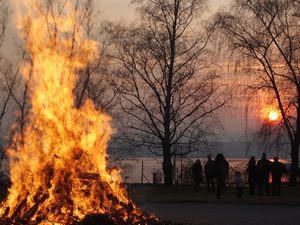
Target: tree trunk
{"points": [[167, 165], [295, 162], [295, 146]]}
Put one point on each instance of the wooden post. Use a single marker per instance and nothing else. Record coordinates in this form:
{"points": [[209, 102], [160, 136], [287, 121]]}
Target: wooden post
{"points": [[181, 165], [142, 176]]}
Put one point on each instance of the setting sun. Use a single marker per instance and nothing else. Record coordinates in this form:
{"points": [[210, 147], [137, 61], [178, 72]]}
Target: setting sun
{"points": [[273, 115], [270, 113]]}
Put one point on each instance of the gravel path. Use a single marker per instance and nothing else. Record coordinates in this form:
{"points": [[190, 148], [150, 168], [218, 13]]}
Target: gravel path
{"points": [[225, 214]]}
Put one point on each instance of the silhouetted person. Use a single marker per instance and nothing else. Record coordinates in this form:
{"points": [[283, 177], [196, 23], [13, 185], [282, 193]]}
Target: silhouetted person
{"points": [[251, 170], [222, 168], [197, 174], [210, 173], [277, 170], [239, 184], [263, 168]]}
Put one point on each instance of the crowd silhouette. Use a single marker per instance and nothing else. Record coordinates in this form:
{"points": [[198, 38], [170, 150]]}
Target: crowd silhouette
{"points": [[264, 176]]}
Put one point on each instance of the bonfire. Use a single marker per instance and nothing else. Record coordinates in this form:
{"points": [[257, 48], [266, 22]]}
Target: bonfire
{"points": [[58, 166]]}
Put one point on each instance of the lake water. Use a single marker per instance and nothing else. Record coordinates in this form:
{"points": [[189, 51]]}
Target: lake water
{"points": [[132, 170], [140, 170]]}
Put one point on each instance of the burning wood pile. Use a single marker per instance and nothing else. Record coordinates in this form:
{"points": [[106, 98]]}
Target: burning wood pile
{"points": [[118, 213], [58, 166]]}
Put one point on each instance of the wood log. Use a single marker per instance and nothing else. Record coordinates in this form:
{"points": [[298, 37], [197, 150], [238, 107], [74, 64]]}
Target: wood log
{"points": [[89, 176], [5, 214], [32, 211], [18, 209]]}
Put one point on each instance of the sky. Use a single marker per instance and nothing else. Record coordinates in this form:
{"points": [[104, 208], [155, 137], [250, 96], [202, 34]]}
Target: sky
{"points": [[122, 9]]}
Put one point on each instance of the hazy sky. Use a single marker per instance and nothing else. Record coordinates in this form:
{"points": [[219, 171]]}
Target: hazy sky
{"points": [[121, 9]]}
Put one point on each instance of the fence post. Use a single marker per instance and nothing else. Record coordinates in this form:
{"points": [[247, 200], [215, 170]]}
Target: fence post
{"points": [[181, 176], [142, 176]]}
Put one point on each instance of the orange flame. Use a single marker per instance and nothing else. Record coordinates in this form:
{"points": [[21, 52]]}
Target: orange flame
{"points": [[61, 146]]}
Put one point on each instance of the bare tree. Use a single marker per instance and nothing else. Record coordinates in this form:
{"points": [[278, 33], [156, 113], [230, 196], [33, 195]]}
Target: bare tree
{"points": [[6, 86], [266, 34], [3, 19], [93, 81], [166, 87], [20, 96], [7, 82], [5, 94]]}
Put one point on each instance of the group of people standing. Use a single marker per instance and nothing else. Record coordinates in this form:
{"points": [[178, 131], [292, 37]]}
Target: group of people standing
{"points": [[258, 175], [214, 170]]}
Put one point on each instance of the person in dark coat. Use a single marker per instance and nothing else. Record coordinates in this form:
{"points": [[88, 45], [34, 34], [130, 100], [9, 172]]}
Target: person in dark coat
{"points": [[277, 170], [263, 169], [197, 174], [222, 168], [251, 170], [210, 174]]}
